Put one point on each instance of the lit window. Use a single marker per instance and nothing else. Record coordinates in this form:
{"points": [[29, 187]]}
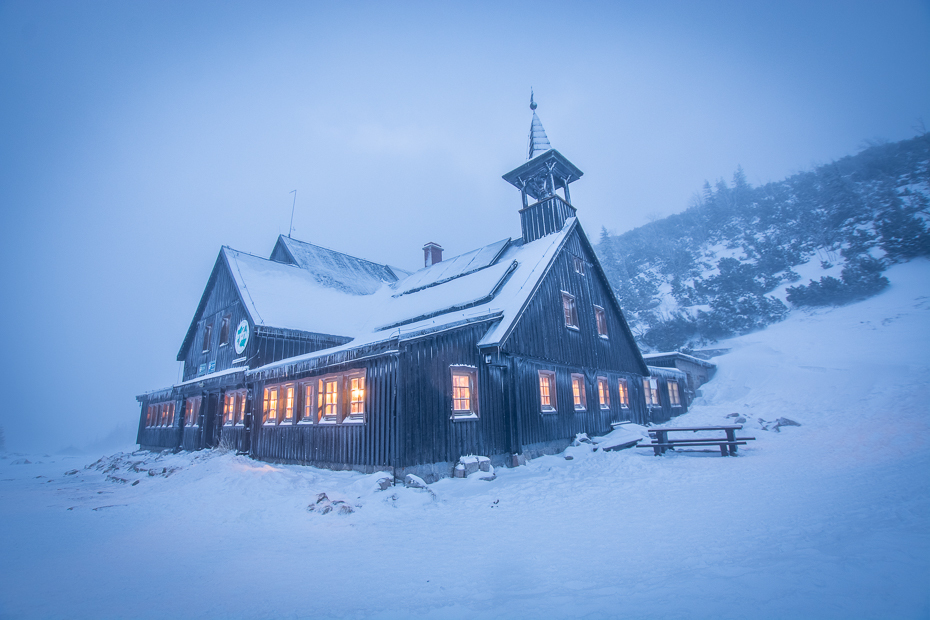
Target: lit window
{"points": [[356, 385], [578, 394], [603, 392], [192, 411], [624, 393], [207, 336], [161, 414], [579, 266], [673, 398], [571, 313], [306, 415], [651, 391], [229, 408], [600, 317], [329, 400], [224, 330], [547, 391], [287, 392], [464, 393], [270, 407]]}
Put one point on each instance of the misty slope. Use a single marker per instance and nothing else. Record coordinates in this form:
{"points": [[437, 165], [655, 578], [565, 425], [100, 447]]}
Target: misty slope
{"points": [[741, 257], [830, 519]]}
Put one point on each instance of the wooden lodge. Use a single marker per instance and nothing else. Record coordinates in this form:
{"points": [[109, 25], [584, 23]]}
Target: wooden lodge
{"points": [[317, 357]]}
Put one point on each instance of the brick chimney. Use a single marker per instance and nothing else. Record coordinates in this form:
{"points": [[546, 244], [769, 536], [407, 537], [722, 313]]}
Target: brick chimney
{"points": [[432, 254]]}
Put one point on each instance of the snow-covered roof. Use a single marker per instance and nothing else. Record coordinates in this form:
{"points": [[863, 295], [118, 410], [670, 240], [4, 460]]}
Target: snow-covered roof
{"points": [[668, 373], [337, 270], [290, 297], [451, 268], [498, 292], [673, 355]]}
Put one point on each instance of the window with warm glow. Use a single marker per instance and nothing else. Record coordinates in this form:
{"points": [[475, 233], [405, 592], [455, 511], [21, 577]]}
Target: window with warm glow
{"points": [[570, 311], [600, 317], [287, 395], [192, 411], [356, 385], [603, 392], [207, 336], [229, 408], [224, 329], [306, 413], [547, 391], [624, 393], [673, 397], [578, 395], [160, 414], [329, 400], [651, 391], [270, 406], [464, 395]]}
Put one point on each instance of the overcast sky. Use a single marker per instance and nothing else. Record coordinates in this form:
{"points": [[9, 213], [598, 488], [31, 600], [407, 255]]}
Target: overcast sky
{"points": [[136, 138]]}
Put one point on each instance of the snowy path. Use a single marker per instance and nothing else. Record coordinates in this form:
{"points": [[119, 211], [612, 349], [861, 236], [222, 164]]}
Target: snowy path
{"points": [[827, 520]]}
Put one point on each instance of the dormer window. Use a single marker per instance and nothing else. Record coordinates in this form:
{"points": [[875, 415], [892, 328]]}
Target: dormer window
{"points": [[570, 310], [207, 336], [579, 265], [224, 329], [600, 317]]}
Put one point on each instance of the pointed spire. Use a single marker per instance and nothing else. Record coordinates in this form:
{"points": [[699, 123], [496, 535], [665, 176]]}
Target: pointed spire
{"points": [[539, 142]]}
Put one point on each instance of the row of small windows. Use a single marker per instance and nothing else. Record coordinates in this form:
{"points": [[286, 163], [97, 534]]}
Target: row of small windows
{"points": [[547, 398], [570, 309], [224, 333], [331, 399], [340, 399]]}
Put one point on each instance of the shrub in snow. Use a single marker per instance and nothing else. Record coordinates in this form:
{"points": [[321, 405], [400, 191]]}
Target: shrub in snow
{"points": [[861, 278]]}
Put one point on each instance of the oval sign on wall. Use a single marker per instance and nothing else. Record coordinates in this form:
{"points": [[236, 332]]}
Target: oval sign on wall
{"points": [[242, 336]]}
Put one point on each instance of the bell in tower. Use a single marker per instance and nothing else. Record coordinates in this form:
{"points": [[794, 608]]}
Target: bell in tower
{"points": [[545, 172]]}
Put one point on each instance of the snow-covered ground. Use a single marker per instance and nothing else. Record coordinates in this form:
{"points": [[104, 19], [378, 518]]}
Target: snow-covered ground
{"points": [[830, 519]]}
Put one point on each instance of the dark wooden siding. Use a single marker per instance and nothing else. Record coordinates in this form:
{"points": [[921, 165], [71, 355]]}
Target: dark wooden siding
{"points": [[538, 427], [541, 332], [368, 445], [166, 437], [428, 434], [544, 218], [222, 300], [272, 345]]}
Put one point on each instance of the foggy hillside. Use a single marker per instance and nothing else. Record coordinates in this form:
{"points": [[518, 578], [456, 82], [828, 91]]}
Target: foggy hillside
{"points": [[742, 257]]}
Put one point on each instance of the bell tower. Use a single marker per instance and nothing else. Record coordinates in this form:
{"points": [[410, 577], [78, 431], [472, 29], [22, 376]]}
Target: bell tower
{"points": [[545, 172]]}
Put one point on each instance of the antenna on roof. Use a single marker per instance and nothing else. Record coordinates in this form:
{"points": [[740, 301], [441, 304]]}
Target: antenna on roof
{"points": [[291, 228]]}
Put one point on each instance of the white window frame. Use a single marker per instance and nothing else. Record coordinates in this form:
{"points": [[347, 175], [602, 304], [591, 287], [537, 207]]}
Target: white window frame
{"points": [[600, 320], [603, 393], [674, 395], [471, 373], [579, 399], [570, 310], [552, 407]]}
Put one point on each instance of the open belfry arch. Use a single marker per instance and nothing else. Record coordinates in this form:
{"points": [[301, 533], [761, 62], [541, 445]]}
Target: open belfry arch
{"points": [[319, 357]]}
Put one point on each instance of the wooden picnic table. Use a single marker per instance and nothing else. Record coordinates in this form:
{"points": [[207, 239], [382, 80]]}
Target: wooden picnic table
{"points": [[727, 445]]}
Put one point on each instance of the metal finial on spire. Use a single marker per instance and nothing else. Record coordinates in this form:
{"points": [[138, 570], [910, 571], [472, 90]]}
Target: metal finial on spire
{"points": [[532, 103]]}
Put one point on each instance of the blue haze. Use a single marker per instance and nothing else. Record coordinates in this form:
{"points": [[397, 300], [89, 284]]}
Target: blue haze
{"points": [[137, 138]]}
